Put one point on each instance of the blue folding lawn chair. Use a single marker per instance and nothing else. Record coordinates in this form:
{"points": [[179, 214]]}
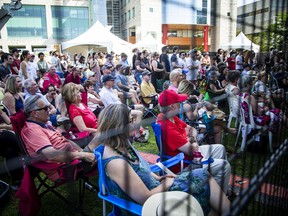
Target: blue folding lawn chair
{"points": [[119, 203]]}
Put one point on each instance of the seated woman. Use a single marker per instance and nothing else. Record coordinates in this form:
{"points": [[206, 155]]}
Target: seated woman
{"points": [[94, 103], [262, 114], [13, 98], [129, 176], [82, 117], [215, 90], [198, 108]]}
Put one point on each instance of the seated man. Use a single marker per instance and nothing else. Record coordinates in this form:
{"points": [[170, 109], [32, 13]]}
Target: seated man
{"points": [[177, 138], [108, 96], [147, 89], [44, 143]]}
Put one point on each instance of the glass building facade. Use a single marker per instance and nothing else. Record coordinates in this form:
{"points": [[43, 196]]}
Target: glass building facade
{"points": [[69, 22], [29, 21]]}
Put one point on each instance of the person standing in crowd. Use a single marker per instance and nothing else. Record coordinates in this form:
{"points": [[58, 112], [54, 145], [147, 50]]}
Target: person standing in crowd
{"points": [[219, 56], [16, 61], [7, 61], [239, 61], [231, 61], [194, 67], [42, 64], [124, 61], [174, 59], [94, 67], [164, 59], [146, 60], [55, 61], [34, 68], [135, 52], [157, 69]]}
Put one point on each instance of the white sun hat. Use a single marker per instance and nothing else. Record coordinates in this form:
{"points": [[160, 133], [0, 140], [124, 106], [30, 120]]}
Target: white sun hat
{"points": [[172, 203]]}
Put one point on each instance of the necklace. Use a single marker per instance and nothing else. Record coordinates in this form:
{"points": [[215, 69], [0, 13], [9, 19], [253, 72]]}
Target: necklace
{"points": [[133, 157]]}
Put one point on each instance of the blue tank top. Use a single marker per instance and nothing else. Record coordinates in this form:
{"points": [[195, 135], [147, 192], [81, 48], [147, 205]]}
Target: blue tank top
{"points": [[18, 104]]}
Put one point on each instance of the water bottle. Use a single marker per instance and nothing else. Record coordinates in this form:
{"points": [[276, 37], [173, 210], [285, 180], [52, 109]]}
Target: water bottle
{"points": [[72, 136], [197, 160], [206, 121]]}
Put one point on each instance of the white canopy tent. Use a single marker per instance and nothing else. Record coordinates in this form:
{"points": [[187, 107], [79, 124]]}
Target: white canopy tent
{"points": [[149, 42], [99, 35], [241, 42]]}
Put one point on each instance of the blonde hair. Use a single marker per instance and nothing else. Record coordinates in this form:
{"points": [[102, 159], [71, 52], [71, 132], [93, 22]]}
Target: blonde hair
{"points": [[10, 84], [185, 87], [69, 92], [113, 126], [174, 74]]}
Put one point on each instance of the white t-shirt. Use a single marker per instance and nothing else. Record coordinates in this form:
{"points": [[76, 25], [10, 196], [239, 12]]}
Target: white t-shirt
{"points": [[192, 73], [109, 96], [239, 59], [92, 106]]}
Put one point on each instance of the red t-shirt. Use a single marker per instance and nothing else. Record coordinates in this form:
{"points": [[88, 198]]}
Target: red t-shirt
{"points": [[16, 63], [88, 116], [54, 80], [36, 138], [70, 78], [231, 63], [173, 137]]}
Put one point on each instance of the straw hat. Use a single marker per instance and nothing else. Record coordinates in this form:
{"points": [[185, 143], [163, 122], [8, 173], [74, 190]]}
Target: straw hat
{"points": [[172, 203]]}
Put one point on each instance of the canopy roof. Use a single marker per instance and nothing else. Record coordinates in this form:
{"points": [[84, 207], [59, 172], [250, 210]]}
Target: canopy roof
{"points": [[149, 42], [99, 35], [241, 41]]}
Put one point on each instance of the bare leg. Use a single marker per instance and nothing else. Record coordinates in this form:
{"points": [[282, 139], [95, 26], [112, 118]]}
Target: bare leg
{"points": [[218, 200]]}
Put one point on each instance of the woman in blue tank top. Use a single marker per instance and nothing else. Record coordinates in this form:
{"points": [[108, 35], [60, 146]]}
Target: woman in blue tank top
{"points": [[129, 176]]}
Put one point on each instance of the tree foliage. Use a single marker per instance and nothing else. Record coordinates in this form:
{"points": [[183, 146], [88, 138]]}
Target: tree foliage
{"points": [[276, 35]]}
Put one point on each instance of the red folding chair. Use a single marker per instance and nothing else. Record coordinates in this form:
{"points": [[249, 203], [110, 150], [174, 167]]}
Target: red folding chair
{"points": [[70, 172]]}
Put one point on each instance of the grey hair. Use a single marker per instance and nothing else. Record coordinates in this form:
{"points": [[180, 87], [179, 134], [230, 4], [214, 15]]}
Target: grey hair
{"points": [[31, 104], [28, 83], [244, 81], [164, 109]]}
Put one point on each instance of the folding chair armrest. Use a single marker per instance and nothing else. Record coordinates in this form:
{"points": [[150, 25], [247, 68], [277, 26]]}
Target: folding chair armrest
{"points": [[124, 204], [168, 163]]}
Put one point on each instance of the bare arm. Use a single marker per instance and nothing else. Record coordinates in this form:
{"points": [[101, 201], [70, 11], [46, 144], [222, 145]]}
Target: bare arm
{"points": [[214, 89], [23, 67], [9, 101], [80, 124], [126, 178], [155, 68], [65, 156]]}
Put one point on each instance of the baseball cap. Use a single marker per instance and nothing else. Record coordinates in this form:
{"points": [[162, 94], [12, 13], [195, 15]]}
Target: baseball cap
{"points": [[192, 51], [145, 73], [169, 97], [108, 77], [106, 67], [15, 50]]}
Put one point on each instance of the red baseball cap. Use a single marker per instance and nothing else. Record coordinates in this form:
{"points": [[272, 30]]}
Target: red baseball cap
{"points": [[169, 97]]}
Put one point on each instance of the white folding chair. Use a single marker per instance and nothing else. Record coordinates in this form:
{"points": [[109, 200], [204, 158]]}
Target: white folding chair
{"points": [[233, 113], [245, 127]]}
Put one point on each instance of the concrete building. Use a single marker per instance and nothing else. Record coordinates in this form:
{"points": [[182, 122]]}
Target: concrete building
{"points": [[180, 22], [255, 17], [42, 25]]}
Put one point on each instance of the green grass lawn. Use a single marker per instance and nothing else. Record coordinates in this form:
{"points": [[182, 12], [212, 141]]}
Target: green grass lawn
{"points": [[246, 165]]}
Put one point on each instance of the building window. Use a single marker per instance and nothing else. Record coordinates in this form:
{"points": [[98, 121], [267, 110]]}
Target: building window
{"points": [[129, 15], [29, 21], [69, 22], [125, 18], [133, 12], [151, 10], [172, 34]]}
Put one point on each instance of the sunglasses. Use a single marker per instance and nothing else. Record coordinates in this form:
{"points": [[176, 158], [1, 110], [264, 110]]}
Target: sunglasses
{"points": [[44, 108]]}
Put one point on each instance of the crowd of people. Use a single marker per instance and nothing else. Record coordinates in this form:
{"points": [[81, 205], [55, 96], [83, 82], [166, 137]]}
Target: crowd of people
{"points": [[106, 92]]}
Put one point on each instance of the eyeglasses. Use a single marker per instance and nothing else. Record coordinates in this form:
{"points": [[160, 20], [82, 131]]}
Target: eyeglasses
{"points": [[43, 108]]}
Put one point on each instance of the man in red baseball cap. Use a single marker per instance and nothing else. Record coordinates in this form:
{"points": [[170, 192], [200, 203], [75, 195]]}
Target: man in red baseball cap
{"points": [[179, 137]]}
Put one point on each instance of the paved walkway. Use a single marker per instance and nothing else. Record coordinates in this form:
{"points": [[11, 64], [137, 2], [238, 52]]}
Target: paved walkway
{"points": [[237, 181]]}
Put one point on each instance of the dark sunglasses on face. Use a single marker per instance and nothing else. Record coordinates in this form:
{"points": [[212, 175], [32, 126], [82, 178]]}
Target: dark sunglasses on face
{"points": [[44, 108]]}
